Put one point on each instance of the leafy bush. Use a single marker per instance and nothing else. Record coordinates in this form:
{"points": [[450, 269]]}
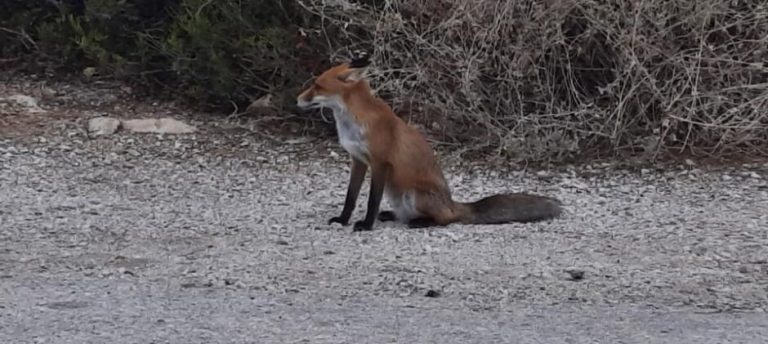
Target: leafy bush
{"points": [[216, 52], [80, 32], [227, 49]]}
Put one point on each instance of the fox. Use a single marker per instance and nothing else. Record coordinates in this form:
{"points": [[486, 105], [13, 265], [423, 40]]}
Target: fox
{"points": [[404, 167]]}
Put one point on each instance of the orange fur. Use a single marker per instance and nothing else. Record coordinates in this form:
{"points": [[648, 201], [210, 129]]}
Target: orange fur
{"points": [[402, 163]]}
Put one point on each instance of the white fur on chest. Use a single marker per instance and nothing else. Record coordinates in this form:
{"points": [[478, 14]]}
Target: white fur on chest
{"points": [[351, 134]]}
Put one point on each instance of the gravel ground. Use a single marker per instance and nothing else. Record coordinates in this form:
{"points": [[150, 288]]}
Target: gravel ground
{"points": [[219, 237]]}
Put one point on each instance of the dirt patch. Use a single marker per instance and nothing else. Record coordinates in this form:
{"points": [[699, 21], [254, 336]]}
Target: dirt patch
{"points": [[220, 236]]}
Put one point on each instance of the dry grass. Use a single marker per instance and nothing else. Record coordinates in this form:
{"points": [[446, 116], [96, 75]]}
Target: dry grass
{"points": [[548, 80]]}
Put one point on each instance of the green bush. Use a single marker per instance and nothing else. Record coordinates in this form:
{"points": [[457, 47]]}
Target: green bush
{"points": [[226, 50], [75, 33], [215, 52]]}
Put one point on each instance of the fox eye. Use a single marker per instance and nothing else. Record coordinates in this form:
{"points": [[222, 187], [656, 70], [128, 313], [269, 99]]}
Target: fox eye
{"points": [[318, 87]]}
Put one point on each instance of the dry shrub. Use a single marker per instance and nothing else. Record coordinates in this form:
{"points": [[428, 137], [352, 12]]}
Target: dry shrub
{"points": [[548, 80]]}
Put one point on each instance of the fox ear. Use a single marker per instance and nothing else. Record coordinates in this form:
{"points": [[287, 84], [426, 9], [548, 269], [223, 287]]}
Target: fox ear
{"points": [[351, 75], [356, 67]]}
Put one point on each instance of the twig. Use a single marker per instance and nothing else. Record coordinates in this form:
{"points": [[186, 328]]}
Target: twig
{"points": [[25, 37]]}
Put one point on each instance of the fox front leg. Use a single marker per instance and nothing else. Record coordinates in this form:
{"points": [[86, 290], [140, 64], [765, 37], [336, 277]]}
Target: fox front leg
{"points": [[378, 180], [356, 176]]}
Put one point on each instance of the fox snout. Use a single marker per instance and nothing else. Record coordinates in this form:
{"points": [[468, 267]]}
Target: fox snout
{"points": [[310, 99], [304, 100], [303, 104]]}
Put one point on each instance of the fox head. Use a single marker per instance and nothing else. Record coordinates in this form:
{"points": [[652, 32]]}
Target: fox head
{"points": [[328, 89]]}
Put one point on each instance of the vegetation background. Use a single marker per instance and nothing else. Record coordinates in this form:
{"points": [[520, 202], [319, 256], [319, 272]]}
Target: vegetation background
{"points": [[546, 80]]}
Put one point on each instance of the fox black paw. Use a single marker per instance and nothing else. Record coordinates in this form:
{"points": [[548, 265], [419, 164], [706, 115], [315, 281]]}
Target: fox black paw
{"points": [[361, 226], [386, 216], [339, 220], [421, 223]]}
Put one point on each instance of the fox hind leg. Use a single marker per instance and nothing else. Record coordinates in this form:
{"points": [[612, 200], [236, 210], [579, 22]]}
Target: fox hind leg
{"points": [[435, 210], [387, 216], [422, 222]]}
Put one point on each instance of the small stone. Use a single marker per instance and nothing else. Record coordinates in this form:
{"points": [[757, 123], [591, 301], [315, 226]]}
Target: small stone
{"points": [[576, 184], [28, 102], [89, 72], [64, 305], [103, 126], [744, 269], [726, 177], [257, 105], [125, 271], [47, 92], [575, 274], [432, 293], [159, 126]]}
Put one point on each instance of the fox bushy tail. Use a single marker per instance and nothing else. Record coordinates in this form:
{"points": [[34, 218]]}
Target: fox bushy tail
{"points": [[518, 207]]}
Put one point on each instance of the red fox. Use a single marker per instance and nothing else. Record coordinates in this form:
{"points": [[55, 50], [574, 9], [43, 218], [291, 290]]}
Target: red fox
{"points": [[403, 165]]}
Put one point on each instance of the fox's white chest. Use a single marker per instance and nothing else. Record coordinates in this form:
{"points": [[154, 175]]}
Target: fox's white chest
{"points": [[351, 135]]}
